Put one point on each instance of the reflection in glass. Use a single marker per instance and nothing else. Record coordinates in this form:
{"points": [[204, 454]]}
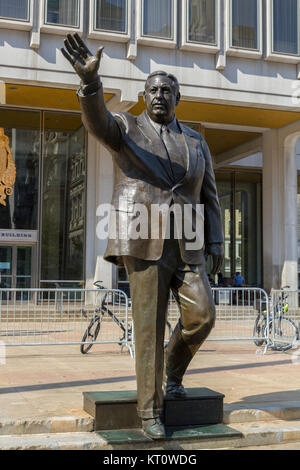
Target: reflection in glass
{"points": [[15, 9], [244, 24], [111, 15], [240, 201], [123, 282], [248, 227], [157, 18], [62, 12], [285, 26], [224, 188], [252, 161], [63, 198], [202, 21], [21, 210]]}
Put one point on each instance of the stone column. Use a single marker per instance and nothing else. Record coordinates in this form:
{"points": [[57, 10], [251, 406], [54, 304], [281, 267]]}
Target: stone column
{"points": [[99, 190], [280, 261], [290, 189]]}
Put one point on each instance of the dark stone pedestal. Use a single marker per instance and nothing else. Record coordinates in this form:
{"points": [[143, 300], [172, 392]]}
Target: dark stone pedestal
{"points": [[117, 410]]}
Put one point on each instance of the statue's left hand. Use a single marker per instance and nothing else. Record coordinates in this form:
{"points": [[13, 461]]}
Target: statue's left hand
{"points": [[216, 250]]}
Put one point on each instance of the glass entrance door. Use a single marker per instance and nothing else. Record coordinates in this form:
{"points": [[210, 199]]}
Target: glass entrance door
{"points": [[6, 253], [15, 267], [23, 267]]}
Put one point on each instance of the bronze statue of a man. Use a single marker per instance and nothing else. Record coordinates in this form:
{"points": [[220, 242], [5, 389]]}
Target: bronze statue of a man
{"points": [[156, 161]]}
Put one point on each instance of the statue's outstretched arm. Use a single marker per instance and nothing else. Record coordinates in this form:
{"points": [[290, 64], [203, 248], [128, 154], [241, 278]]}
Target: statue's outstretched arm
{"points": [[97, 119]]}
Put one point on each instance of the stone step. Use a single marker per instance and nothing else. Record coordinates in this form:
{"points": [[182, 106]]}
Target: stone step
{"points": [[256, 412], [284, 446], [58, 441], [47, 425], [267, 433], [239, 436], [83, 422]]}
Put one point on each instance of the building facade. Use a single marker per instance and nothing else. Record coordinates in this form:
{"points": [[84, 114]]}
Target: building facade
{"points": [[238, 63]]}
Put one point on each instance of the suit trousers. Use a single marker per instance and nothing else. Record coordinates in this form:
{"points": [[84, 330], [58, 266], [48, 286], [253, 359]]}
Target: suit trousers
{"points": [[150, 284]]}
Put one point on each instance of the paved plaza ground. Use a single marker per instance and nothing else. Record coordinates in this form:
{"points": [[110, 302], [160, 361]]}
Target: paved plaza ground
{"points": [[49, 380]]}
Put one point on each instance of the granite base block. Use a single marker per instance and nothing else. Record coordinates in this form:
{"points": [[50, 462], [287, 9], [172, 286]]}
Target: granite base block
{"points": [[117, 410]]}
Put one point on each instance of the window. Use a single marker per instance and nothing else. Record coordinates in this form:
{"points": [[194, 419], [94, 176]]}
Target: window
{"points": [[110, 20], [285, 26], [244, 24], [158, 18], [61, 16], [63, 198], [23, 131], [199, 25], [15, 9], [48, 199], [157, 25], [62, 12], [111, 15], [202, 21]]}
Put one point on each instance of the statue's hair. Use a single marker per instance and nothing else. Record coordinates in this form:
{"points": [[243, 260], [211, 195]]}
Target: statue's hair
{"points": [[170, 76]]}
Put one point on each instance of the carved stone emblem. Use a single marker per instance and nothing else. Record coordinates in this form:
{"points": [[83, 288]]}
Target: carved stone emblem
{"points": [[7, 168]]}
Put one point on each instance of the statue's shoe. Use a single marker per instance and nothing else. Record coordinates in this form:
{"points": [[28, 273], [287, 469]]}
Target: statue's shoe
{"points": [[154, 428], [175, 389]]}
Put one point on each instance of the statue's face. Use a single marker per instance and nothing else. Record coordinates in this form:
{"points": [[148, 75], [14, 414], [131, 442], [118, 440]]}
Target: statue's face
{"points": [[161, 98]]}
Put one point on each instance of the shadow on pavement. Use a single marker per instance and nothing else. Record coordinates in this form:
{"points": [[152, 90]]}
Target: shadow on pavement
{"points": [[251, 365], [107, 380], [274, 397]]}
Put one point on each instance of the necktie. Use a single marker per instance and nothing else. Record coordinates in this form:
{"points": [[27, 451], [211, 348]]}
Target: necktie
{"points": [[176, 152]]}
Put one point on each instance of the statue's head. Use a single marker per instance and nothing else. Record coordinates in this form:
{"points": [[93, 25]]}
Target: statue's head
{"points": [[161, 96]]}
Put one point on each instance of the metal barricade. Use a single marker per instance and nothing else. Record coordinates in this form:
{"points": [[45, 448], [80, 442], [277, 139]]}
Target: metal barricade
{"points": [[35, 317], [238, 310]]}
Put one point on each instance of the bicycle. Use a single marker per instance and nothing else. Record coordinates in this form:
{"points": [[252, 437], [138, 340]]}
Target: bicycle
{"points": [[283, 334], [93, 329]]}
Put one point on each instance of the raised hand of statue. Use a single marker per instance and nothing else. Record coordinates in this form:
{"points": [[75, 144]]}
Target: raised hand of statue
{"points": [[85, 64]]}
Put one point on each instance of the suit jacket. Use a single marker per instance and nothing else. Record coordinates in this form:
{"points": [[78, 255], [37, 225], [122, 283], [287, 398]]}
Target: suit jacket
{"points": [[141, 176]]}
